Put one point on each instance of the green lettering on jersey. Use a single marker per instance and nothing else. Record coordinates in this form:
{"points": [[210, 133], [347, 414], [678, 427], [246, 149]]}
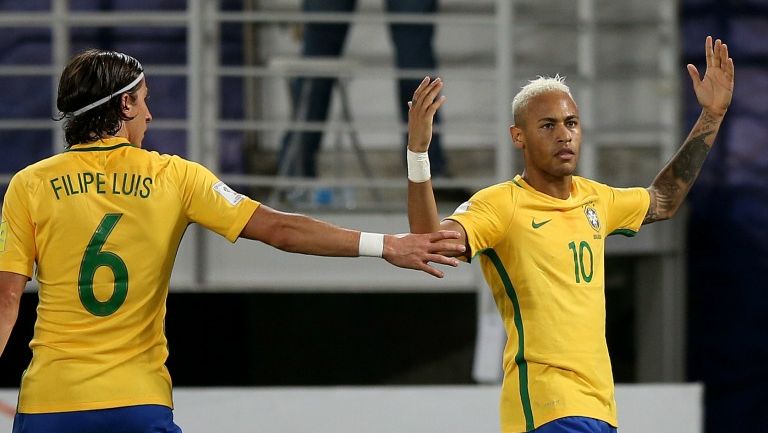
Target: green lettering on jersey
{"points": [[55, 188], [100, 182], [93, 259], [87, 180], [146, 183], [578, 261]]}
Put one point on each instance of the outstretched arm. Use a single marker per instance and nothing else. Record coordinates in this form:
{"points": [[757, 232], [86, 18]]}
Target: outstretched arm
{"points": [[714, 93], [11, 288], [422, 208], [301, 234]]}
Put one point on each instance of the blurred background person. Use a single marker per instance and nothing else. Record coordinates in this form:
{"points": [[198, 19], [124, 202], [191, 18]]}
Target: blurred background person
{"points": [[413, 50]]}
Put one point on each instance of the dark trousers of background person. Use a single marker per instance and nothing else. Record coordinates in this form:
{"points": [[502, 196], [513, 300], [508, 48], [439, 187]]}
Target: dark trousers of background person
{"points": [[413, 50]]}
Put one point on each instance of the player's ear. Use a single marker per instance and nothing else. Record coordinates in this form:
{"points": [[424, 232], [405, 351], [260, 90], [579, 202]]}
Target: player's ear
{"points": [[126, 103], [517, 136]]}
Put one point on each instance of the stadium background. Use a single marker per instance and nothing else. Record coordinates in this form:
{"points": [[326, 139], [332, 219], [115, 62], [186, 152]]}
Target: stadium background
{"points": [[704, 320]]}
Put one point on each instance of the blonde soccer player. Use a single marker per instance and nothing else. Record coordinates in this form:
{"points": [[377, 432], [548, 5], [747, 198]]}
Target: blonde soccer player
{"points": [[102, 222], [540, 239]]}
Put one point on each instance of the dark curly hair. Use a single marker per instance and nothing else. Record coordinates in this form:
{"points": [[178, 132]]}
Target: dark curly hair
{"points": [[90, 76]]}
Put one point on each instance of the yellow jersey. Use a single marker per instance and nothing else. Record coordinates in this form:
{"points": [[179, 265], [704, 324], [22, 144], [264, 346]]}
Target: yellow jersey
{"points": [[543, 258], [102, 222]]}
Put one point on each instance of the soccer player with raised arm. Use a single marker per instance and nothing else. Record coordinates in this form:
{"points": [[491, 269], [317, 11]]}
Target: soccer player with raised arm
{"points": [[540, 238], [102, 222]]}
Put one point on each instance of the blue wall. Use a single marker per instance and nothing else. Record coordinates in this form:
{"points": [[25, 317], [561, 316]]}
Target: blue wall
{"points": [[728, 229]]}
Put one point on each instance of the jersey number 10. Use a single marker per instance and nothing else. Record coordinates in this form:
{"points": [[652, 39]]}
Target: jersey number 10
{"points": [[578, 261]]}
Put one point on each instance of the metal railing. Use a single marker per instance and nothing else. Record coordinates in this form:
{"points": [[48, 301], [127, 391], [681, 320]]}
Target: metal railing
{"points": [[203, 20]]}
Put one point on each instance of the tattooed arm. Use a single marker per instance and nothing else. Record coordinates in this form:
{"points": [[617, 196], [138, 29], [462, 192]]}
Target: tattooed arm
{"points": [[671, 185], [714, 94]]}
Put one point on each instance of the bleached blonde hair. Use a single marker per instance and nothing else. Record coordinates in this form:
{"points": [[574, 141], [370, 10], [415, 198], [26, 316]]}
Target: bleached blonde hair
{"points": [[535, 88]]}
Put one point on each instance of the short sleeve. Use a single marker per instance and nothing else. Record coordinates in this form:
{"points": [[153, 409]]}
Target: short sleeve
{"points": [[17, 230], [485, 217], [627, 208], [210, 202]]}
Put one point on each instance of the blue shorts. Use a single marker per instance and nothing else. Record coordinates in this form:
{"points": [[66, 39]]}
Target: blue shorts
{"points": [[576, 424], [148, 418]]}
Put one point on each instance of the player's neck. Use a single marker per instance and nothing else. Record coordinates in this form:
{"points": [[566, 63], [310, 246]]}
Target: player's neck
{"points": [[122, 132], [555, 186]]}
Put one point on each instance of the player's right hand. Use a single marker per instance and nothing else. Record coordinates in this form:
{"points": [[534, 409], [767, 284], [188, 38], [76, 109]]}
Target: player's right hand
{"points": [[421, 112], [417, 251]]}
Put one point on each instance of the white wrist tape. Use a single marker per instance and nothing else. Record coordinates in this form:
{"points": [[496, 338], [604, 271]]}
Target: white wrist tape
{"points": [[418, 166], [371, 245]]}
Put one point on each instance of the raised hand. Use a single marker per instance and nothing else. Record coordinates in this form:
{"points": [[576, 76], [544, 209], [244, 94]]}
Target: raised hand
{"points": [[715, 90], [421, 112], [416, 251]]}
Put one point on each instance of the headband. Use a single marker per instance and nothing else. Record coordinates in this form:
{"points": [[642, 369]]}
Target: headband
{"points": [[107, 98]]}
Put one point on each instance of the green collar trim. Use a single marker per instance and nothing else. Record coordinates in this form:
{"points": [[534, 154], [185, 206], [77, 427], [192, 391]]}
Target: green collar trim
{"points": [[98, 148]]}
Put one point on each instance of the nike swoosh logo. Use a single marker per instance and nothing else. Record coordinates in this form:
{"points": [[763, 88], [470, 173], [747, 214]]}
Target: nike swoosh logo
{"points": [[536, 225]]}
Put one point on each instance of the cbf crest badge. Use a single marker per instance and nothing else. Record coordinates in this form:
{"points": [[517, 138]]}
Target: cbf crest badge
{"points": [[592, 217]]}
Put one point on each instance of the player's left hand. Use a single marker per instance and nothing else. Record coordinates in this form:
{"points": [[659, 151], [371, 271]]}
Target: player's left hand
{"points": [[715, 90]]}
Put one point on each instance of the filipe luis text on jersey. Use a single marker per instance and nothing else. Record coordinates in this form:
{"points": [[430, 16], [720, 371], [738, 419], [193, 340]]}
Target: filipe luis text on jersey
{"points": [[130, 184]]}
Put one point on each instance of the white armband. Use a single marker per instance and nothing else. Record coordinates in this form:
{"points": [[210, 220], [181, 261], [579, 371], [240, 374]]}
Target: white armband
{"points": [[418, 166], [371, 245]]}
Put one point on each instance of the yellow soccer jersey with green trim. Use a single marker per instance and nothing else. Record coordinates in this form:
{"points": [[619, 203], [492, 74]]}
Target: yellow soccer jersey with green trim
{"points": [[103, 222], [543, 259]]}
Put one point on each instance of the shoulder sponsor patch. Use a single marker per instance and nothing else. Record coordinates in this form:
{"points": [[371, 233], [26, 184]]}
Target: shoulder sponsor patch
{"points": [[228, 193], [3, 234], [462, 208]]}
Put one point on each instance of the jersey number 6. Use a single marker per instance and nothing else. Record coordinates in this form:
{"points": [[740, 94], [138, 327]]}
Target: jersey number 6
{"points": [[95, 258]]}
